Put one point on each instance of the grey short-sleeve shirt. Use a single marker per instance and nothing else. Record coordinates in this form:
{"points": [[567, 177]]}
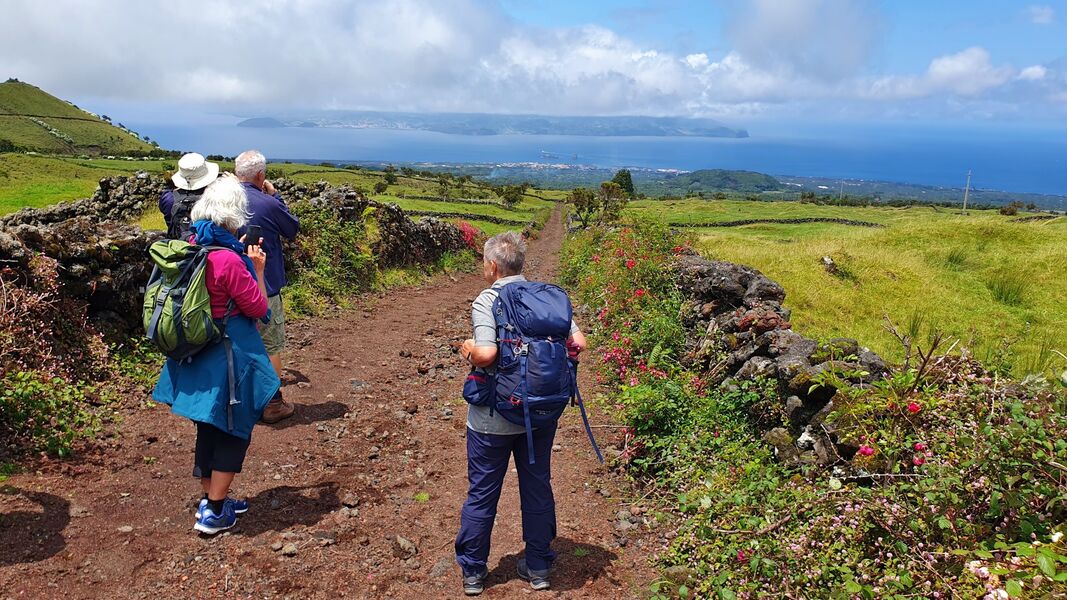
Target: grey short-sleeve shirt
{"points": [[478, 417]]}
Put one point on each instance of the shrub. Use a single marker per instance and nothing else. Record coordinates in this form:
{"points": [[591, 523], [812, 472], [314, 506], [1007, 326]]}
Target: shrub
{"points": [[959, 488], [45, 413]]}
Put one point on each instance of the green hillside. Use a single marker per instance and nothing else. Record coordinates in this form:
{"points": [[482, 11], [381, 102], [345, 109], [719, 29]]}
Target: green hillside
{"points": [[34, 120], [709, 181]]}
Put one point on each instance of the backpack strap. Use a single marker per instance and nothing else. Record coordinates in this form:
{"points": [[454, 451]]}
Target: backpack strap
{"points": [[526, 410], [585, 417]]}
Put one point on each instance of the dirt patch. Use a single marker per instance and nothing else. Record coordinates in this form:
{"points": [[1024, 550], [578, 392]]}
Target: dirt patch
{"points": [[376, 451]]}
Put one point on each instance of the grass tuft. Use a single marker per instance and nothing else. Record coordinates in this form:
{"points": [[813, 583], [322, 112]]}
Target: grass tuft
{"points": [[1009, 287]]}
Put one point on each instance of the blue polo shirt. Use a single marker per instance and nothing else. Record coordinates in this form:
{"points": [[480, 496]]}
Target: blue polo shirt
{"points": [[273, 216]]}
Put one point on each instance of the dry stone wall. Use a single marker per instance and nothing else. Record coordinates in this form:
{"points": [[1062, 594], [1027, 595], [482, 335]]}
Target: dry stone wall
{"points": [[739, 330]]}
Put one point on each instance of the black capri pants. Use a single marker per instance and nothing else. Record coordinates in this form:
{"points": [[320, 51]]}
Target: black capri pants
{"points": [[217, 450]]}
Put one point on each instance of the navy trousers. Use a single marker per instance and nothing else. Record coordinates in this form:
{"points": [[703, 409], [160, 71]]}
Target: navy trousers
{"points": [[487, 463]]}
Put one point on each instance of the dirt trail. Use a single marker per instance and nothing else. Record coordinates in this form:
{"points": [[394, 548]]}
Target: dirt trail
{"points": [[376, 451]]}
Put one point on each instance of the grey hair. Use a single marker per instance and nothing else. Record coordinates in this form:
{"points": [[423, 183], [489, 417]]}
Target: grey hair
{"points": [[224, 203], [508, 251], [249, 164]]}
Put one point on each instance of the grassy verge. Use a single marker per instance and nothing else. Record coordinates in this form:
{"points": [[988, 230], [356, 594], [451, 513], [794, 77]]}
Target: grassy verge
{"points": [[953, 493], [988, 281]]}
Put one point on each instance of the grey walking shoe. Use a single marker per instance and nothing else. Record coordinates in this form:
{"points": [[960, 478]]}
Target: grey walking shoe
{"points": [[538, 579], [474, 585]]}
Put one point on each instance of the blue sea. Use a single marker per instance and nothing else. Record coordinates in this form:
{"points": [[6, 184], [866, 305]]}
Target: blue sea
{"points": [[1002, 157]]}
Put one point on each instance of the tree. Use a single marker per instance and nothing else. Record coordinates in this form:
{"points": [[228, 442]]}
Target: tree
{"points": [[585, 205], [390, 175], [444, 183], [612, 200], [625, 181], [380, 187], [511, 195]]}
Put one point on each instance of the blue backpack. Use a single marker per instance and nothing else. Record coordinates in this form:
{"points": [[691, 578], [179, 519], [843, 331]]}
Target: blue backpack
{"points": [[535, 379]]}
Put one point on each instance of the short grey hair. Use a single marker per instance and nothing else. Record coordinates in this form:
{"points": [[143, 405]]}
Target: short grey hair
{"points": [[249, 164], [507, 250], [224, 203]]}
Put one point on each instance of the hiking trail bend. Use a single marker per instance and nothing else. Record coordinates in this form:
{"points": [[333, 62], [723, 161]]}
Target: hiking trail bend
{"points": [[376, 452]]}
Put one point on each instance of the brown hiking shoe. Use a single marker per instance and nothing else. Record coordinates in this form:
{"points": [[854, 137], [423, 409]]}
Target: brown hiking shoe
{"points": [[278, 409]]}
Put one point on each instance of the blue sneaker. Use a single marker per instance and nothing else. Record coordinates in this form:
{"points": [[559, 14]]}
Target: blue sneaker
{"points": [[211, 523], [240, 507]]}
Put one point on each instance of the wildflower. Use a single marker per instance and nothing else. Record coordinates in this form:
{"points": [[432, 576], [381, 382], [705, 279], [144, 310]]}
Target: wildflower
{"points": [[866, 450], [615, 335], [639, 292], [596, 258], [630, 263], [920, 447], [633, 382], [914, 407], [741, 557], [918, 460], [1056, 537]]}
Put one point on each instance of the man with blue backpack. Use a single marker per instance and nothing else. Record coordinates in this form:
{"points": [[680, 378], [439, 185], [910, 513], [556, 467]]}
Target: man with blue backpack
{"points": [[524, 359]]}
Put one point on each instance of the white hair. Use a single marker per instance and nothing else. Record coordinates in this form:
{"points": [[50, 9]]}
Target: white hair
{"points": [[508, 251], [249, 164], [224, 203]]}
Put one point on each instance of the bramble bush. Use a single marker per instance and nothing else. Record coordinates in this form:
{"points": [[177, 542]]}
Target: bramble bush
{"points": [[959, 487]]}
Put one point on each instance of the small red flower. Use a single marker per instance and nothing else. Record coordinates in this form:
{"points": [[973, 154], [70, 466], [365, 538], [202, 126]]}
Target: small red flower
{"points": [[630, 263], [596, 258], [639, 292], [914, 408], [918, 460], [741, 557], [919, 446], [866, 450]]}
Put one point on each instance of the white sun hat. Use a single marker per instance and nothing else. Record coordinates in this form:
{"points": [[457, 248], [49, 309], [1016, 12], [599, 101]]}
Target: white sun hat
{"points": [[194, 172]]}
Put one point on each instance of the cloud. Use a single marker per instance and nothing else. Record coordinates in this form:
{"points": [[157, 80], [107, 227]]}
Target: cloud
{"points": [[825, 40], [1033, 73], [469, 56], [969, 72], [1040, 14]]}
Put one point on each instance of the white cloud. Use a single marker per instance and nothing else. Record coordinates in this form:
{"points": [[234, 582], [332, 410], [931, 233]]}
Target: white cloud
{"points": [[1033, 73], [966, 73], [1041, 14], [825, 40], [469, 56]]}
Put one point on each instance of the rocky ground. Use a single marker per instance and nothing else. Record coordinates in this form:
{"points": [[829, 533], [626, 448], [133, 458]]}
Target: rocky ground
{"points": [[357, 496]]}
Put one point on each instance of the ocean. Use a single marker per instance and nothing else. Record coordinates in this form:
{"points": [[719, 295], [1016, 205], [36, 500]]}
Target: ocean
{"points": [[1002, 157]]}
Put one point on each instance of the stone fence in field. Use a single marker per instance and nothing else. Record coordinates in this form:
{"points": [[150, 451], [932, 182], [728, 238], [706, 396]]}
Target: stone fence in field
{"points": [[739, 330]]}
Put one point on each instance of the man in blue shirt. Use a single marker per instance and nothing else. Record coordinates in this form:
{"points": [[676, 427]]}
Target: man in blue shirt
{"points": [[271, 214]]}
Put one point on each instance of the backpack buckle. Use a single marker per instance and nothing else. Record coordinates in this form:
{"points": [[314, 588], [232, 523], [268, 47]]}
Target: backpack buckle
{"points": [[523, 349], [515, 401]]}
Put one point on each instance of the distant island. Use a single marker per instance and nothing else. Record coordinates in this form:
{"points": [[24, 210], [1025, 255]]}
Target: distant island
{"points": [[487, 124]]}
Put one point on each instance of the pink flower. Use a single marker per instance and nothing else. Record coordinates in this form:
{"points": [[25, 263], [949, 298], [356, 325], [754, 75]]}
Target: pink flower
{"points": [[914, 407], [633, 381], [639, 292], [918, 460], [630, 263], [919, 446], [615, 335], [596, 258], [741, 556], [866, 450]]}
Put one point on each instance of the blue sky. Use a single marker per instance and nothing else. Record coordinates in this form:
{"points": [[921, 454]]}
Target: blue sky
{"points": [[741, 61]]}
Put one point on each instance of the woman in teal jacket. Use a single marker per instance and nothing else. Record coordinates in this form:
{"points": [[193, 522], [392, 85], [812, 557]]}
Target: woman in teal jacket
{"points": [[199, 388]]}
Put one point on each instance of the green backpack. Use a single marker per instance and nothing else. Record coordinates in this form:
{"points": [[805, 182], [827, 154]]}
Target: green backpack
{"points": [[177, 307]]}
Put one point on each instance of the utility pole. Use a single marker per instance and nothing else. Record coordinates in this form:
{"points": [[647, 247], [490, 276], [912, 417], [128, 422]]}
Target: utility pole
{"points": [[966, 191], [841, 192]]}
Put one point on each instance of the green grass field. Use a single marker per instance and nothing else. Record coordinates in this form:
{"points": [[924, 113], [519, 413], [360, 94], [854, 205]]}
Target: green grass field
{"points": [[35, 181], [81, 132], [993, 284]]}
